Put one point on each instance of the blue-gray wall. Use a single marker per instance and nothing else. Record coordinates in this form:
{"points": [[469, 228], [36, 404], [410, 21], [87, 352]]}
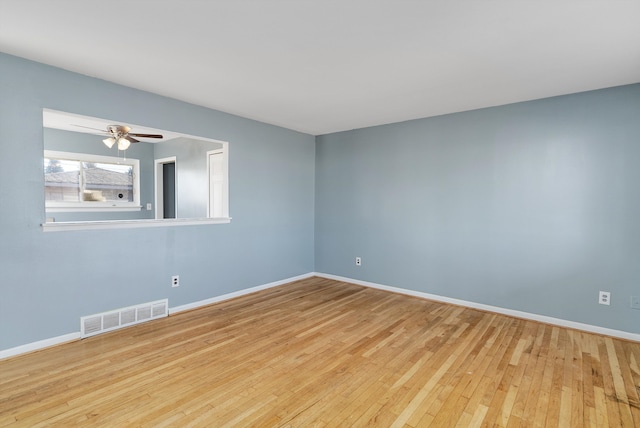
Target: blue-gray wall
{"points": [[49, 280], [532, 206]]}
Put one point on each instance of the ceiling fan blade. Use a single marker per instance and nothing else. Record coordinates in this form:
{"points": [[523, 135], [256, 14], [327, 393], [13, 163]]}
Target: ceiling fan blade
{"points": [[104, 131], [131, 139], [146, 135]]}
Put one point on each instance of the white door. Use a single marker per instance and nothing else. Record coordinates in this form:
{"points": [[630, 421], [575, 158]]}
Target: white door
{"points": [[216, 183]]}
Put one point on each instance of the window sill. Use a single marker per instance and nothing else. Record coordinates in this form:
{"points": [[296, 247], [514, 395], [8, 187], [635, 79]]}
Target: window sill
{"points": [[95, 208], [128, 224]]}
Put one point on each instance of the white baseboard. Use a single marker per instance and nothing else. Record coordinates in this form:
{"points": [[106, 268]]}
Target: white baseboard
{"points": [[517, 314], [40, 344], [228, 296]]}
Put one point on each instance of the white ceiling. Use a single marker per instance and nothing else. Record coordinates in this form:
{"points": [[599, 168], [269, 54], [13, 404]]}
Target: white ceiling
{"points": [[320, 66]]}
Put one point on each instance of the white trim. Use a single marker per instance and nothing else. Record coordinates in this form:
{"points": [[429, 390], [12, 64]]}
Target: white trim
{"points": [[228, 296], [46, 343], [60, 226], [99, 207], [40, 344], [158, 185], [510, 312], [34, 346], [87, 157]]}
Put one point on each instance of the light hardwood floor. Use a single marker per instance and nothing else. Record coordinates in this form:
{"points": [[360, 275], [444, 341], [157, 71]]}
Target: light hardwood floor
{"points": [[323, 353]]}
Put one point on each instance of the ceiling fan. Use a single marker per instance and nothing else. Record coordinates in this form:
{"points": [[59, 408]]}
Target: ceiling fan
{"points": [[123, 135]]}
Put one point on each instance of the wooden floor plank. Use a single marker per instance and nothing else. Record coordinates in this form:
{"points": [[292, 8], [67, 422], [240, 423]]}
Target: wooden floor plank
{"points": [[319, 352]]}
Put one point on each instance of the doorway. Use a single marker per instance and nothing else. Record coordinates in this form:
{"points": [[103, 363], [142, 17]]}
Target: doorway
{"points": [[165, 188]]}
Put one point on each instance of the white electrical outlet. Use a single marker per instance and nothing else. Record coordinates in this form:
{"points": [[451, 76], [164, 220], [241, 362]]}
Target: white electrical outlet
{"points": [[635, 302], [604, 298], [175, 281], [148, 206], [358, 261]]}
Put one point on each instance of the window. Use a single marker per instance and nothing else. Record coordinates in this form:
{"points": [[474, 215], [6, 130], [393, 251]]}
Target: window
{"points": [[79, 181]]}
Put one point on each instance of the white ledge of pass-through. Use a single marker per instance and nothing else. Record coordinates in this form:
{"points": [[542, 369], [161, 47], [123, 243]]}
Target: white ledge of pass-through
{"points": [[128, 224]]}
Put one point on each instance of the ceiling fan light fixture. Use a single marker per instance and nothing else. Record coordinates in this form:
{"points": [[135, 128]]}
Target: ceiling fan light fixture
{"points": [[109, 142], [120, 134], [123, 143]]}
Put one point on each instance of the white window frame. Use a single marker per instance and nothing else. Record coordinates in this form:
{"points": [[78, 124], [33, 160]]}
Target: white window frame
{"points": [[86, 206]]}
